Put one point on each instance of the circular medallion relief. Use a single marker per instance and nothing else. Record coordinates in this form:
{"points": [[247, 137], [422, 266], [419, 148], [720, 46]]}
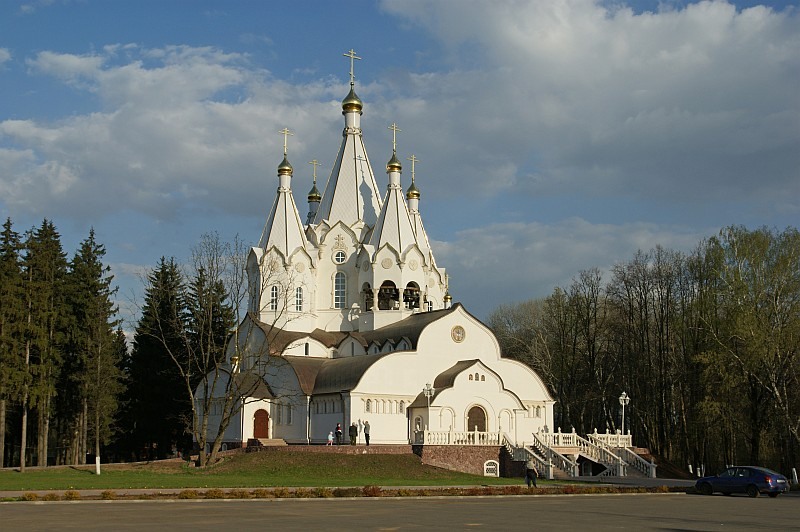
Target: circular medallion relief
{"points": [[365, 266], [431, 282], [458, 333], [386, 263], [300, 267], [413, 265]]}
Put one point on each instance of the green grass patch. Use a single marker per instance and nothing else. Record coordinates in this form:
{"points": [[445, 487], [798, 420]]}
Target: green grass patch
{"points": [[250, 470]]}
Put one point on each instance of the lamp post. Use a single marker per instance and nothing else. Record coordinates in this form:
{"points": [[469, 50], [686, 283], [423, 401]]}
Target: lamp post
{"points": [[624, 400], [428, 390]]}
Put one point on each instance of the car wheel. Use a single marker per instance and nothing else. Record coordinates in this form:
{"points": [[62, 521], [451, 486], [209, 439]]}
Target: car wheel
{"points": [[705, 489], [773, 495], [752, 491]]}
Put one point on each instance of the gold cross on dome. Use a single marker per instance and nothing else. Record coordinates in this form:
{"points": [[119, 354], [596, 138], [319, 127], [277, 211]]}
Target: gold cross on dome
{"points": [[394, 129], [286, 133], [315, 163], [413, 160], [352, 55]]}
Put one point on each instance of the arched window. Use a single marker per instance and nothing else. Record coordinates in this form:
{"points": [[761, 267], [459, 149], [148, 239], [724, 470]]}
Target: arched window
{"points": [[288, 414], [339, 290], [402, 407], [483, 378], [273, 298], [470, 376], [368, 406], [388, 296], [411, 295], [476, 376], [298, 299], [339, 257]]}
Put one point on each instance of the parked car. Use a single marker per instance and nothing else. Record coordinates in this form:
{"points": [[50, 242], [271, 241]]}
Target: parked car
{"points": [[744, 479]]}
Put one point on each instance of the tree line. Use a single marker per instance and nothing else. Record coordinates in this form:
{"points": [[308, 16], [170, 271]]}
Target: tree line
{"points": [[69, 386], [706, 344], [61, 348]]}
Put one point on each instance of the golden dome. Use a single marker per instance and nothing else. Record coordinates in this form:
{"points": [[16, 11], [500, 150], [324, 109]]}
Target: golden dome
{"points": [[394, 164], [285, 168], [412, 192], [352, 102], [314, 195], [448, 297]]}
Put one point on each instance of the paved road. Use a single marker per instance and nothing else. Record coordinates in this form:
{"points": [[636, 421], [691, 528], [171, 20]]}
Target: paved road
{"points": [[582, 512]]}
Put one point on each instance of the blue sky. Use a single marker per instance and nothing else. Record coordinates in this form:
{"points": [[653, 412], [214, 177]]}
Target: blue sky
{"points": [[552, 136]]}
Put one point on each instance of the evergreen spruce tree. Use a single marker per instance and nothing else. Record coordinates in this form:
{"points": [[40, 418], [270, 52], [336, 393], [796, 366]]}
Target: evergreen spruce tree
{"points": [[159, 410], [92, 373], [12, 310], [45, 269]]}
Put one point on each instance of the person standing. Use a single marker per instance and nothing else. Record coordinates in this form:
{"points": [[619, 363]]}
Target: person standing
{"points": [[338, 434], [531, 473], [353, 433], [366, 432], [330, 438]]}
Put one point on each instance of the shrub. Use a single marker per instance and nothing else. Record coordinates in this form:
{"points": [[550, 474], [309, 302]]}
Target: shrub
{"points": [[30, 496], [238, 494], [371, 491], [72, 495], [261, 493], [281, 493], [215, 493], [406, 493], [347, 492], [188, 494], [323, 493], [109, 495], [51, 497]]}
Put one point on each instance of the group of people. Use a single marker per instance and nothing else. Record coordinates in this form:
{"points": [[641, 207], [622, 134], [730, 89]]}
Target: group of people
{"points": [[352, 432]]}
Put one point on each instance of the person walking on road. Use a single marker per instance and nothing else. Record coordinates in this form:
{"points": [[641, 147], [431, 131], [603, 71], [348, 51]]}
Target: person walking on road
{"points": [[366, 432], [531, 473]]}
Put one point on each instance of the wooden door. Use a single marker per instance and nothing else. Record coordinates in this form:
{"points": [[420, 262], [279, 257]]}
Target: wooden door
{"points": [[261, 424]]}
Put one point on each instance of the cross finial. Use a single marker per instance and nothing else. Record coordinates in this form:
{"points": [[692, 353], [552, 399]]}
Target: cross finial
{"points": [[315, 163], [352, 55], [394, 129], [413, 160], [286, 133]]}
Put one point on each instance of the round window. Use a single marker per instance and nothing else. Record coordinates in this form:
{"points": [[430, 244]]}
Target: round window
{"points": [[339, 257]]}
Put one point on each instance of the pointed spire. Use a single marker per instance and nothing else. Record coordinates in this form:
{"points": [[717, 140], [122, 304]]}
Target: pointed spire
{"points": [[285, 168], [352, 102], [351, 193], [413, 191], [314, 196], [283, 230], [394, 164]]}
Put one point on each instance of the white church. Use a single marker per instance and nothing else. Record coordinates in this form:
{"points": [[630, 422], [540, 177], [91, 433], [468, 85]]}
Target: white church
{"points": [[350, 321]]}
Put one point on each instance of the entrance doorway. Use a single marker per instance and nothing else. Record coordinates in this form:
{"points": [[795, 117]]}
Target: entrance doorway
{"points": [[476, 417], [261, 424]]}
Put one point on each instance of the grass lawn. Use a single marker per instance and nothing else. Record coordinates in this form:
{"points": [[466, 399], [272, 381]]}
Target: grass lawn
{"points": [[251, 470]]}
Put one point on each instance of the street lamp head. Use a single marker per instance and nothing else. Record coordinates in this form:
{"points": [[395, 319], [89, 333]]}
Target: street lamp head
{"points": [[624, 399]]}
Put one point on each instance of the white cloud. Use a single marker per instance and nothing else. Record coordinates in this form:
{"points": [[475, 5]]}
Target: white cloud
{"points": [[519, 261], [5, 55], [611, 102]]}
